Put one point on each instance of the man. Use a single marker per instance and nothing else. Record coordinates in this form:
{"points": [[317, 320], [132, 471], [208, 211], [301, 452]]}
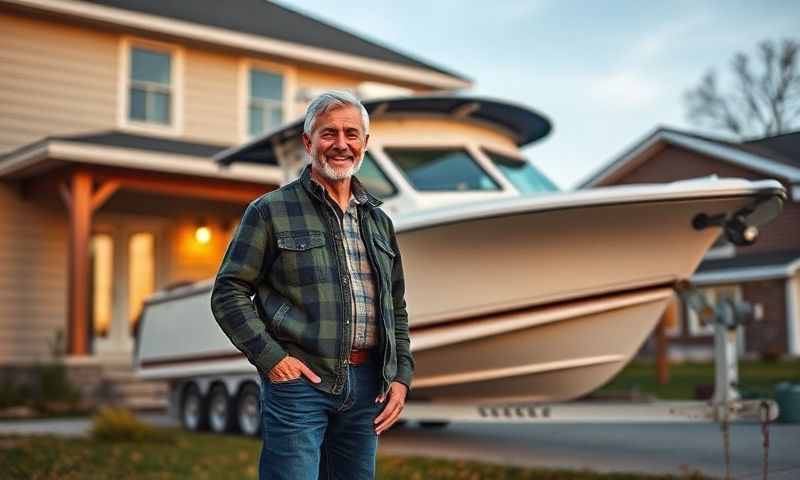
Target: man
{"points": [[327, 329]]}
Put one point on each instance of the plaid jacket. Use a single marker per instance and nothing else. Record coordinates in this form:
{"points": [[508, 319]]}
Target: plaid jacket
{"points": [[288, 252]]}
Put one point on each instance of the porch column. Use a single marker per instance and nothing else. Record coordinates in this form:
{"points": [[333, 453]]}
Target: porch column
{"points": [[78, 200]]}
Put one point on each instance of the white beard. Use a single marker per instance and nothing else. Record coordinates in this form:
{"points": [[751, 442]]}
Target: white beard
{"points": [[327, 171]]}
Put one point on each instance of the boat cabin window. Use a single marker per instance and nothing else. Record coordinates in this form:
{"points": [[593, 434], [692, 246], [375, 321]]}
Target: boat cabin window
{"points": [[373, 178], [441, 170], [522, 174]]}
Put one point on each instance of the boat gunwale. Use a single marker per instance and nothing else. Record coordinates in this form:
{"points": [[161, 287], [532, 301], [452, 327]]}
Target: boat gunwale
{"points": [[562, 201]]}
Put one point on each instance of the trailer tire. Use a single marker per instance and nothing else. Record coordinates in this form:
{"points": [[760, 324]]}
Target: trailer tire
{"points": [[221, 415], [248, 410], [194, 409]]}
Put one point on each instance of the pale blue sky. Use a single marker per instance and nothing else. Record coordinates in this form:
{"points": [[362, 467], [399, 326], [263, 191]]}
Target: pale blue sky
{"points": [[605, 73]]}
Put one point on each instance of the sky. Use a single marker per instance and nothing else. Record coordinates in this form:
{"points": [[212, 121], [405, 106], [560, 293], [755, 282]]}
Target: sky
{"points": [[604, 73]]}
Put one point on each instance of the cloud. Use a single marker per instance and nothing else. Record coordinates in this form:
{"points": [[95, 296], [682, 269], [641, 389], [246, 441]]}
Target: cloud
{"points": [[630, 89]]}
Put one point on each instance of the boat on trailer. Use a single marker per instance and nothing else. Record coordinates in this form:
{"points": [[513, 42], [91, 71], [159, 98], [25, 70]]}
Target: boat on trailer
{"points": [[515, 291]]}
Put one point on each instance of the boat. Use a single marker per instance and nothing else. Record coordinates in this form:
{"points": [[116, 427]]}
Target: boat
{"points": [[515, 291]]}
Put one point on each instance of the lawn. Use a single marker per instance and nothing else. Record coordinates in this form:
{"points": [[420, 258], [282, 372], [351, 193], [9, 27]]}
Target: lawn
{"points": [[755, 378], [217, 457]]}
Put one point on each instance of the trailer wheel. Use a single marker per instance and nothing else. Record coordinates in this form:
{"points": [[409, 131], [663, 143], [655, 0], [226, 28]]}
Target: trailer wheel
{"points": [[248, 410], [220, 411], [194, 412]]}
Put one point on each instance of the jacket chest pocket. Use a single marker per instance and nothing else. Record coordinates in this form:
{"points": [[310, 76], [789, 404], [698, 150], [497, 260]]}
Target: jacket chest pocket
{"points": [[386, 256], [303, 257]]}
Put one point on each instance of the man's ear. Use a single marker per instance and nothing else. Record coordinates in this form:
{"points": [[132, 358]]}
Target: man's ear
{"points": [[307, 142], [366, 140]]}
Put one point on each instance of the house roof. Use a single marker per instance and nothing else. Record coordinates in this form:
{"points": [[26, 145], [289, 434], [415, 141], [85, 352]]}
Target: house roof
{"points": [[775, 156], [121, 149], [268, 19], [748, 267], [783, 148], [114, 138], [523, 124], [253, 28]]}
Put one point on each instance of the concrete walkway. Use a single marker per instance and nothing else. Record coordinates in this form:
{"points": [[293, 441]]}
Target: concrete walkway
{"points": [[78, 426]]}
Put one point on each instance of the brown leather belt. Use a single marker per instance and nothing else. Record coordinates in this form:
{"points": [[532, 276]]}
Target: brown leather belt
{"points": [[358, 357]]}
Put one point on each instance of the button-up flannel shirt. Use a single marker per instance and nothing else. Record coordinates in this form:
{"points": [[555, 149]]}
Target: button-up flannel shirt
{"points": [[361, 276]]}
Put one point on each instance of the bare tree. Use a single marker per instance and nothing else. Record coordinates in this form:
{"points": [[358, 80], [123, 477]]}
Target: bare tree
{"points": [[758, 105]]}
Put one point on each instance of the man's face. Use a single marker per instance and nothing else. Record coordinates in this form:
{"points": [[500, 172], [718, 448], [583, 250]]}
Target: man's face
{"points": [[337, 143]]}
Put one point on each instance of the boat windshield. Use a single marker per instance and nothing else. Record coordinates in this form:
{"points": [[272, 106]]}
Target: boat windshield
{"points": [[522, 174], [373, 178], [441, 170]]}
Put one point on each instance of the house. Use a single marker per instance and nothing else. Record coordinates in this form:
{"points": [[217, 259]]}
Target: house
{"points": [[766, 274], [110, 113]]}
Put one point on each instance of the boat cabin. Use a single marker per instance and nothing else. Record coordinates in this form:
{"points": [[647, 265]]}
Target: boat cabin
{"points": [[426, 152]]}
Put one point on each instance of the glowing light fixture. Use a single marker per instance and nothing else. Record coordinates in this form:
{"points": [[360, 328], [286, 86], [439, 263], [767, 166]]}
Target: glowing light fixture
{"points": [[202, 234]]}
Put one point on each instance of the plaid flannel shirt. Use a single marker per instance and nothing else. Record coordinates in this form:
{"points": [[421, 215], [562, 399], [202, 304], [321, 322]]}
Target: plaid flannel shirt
{"points": [[361, 276], [288, 254]]}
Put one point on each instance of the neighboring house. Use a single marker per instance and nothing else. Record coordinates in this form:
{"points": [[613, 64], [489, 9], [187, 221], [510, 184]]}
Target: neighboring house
{"points": [[767, 273], [109, 113]]}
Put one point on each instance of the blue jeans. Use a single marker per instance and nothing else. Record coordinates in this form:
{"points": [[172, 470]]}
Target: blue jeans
{"points": [[310, 434]]}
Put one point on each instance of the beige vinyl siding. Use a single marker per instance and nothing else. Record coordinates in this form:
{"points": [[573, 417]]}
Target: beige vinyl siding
{"points": [[33, 276], [54, 80], [211, 97], [62, 79]]}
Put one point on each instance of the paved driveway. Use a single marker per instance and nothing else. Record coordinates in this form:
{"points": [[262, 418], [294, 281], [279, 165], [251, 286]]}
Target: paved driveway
{"points": [[653, 448]]}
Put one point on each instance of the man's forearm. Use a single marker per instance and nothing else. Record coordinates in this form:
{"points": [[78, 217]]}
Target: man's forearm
{"points": [[239, 320]]}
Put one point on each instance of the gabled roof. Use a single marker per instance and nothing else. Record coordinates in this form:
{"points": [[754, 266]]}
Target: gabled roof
{"points": [[261, 17], [772, 156], [253, 26], [783, 148]]}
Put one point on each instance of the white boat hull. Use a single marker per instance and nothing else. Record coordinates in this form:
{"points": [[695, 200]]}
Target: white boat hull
{"points": [[531, 298], [542, 354]]}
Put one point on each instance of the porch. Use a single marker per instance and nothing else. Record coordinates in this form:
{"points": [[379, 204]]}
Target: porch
{"points": [[122, 232]]}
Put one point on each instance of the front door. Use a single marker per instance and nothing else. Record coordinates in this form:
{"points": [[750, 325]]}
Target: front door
{"points": [[126, 266]]}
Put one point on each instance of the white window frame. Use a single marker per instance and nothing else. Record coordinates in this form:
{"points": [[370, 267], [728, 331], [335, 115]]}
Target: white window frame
{"points": [[175, 128], [289, 75]]}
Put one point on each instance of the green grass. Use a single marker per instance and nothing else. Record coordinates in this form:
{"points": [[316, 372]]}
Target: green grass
{"points": [[755, 378], [220, 457]]}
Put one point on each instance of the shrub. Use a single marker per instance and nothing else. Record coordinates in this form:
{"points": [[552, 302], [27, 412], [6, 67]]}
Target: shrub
{"points": [[120, 425]]}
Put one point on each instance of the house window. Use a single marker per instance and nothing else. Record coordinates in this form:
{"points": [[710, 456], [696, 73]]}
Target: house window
{"points": [[265, 107], [441, 170], [141, 274], [102, 266], [150, 91]]}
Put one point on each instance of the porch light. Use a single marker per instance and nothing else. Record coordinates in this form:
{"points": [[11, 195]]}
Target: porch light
{"points": [[202, 234]]}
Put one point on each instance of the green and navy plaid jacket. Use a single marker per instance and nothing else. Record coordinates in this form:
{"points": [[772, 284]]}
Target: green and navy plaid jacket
{"points": [[288, 252]]}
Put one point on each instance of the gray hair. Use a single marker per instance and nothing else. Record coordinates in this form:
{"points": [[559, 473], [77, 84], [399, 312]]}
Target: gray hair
{"points": [[332, 99]]}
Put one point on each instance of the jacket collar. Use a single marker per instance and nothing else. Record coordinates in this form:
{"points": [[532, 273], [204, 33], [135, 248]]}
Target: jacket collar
{"points": [[356, 187]]}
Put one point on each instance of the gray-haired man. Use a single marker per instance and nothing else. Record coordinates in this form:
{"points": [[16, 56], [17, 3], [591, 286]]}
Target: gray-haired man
{"points": [[328, 328]]}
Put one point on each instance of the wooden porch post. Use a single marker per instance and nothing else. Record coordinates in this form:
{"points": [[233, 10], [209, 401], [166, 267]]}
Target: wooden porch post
{"points": [[78, 201], [81, 203]]}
